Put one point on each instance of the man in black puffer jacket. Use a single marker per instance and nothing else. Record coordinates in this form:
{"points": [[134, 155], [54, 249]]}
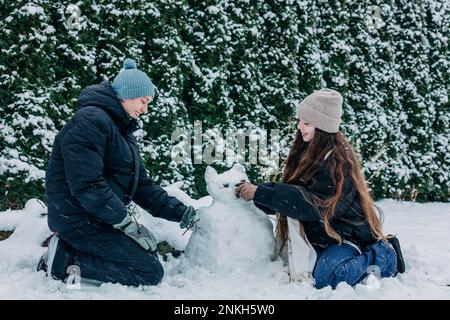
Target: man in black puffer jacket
{"points": [[95, 171]]}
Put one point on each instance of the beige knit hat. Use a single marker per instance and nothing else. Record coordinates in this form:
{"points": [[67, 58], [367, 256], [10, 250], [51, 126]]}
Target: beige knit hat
{"points": [[323, 109]]}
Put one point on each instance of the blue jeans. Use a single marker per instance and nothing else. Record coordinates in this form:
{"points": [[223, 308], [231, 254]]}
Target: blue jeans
{"points": [[107, 255], [337, 263]]}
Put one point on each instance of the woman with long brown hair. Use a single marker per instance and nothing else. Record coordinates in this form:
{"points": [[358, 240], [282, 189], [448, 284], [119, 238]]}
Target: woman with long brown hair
{"points": [[324, 189]]}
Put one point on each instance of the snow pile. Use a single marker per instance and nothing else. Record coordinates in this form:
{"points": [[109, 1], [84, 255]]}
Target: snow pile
{"points": [[231, 234], [23, 247], [421, 228]]}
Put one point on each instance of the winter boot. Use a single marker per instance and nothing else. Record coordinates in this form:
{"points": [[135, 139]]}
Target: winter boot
{"points": [[396, 245], [56, 259], [48, 255]]}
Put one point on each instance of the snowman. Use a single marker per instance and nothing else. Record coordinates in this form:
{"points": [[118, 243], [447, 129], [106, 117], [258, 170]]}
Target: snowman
{"points": [[232, 234]]}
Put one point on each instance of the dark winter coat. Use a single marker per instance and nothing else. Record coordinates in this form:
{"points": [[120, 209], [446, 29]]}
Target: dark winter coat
{"points": [[295, 201], [95, 169]]}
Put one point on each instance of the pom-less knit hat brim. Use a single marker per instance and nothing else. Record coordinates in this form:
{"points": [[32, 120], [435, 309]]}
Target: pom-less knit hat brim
{"points": [[136, 92], [318, 119], [322, 109]]}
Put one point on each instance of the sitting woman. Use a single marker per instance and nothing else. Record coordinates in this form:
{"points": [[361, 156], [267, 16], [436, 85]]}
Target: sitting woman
{"points": [[324, 191]]}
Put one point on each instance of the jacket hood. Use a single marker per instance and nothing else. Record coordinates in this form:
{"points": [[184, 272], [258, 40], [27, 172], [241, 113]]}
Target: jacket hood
{"points": [[102, 96]]}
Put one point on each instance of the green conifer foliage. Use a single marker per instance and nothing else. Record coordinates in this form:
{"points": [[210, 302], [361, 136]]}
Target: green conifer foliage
{"points": [[233, 65]]}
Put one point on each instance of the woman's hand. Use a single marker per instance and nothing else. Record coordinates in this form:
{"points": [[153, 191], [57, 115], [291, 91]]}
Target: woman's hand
{"points": [[245, 190]]}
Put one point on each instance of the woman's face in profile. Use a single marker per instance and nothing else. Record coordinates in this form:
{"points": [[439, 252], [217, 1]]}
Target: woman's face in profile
{"points": [[306, 129]]}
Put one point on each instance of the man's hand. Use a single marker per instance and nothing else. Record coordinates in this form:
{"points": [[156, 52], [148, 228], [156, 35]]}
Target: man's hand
{"points": [[245, 190], [190, 217], [138, 233]]}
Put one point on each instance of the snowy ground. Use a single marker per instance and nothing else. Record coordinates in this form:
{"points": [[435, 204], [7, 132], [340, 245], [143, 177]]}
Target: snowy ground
{"points": [[422, 228]]}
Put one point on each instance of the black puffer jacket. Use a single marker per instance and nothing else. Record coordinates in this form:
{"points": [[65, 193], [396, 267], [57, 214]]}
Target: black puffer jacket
{"points": [[95, 169], [295, 201]]}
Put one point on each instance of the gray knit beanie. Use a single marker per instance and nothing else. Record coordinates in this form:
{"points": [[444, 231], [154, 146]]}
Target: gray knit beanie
{"points": [[132, 83], [322, 109]]}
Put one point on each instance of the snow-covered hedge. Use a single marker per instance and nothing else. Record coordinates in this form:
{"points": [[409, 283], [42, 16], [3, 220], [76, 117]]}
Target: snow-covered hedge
{"points": [[237, 64]]}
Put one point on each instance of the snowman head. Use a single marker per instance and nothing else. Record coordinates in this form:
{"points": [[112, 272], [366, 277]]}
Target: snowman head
{"points": [[221, 186]]}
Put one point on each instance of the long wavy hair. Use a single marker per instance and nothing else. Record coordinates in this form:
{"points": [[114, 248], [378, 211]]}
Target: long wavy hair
{"points": [[301, 165]]}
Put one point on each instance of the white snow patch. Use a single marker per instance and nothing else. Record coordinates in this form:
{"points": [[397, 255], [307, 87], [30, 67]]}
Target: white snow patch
{"points": [[421, 228]]}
